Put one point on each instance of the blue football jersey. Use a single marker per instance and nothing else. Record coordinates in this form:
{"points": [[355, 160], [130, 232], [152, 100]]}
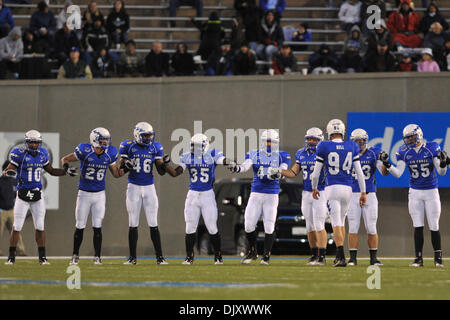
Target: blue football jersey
{"points": [[93, 167], [307, 159], [144, 157], [420, 165], [369, 167], [29, 167], [261, 162], [338, 158], [201, 168]]}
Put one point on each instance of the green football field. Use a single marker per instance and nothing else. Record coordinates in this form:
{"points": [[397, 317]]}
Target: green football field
{"points": [[286, 278]]}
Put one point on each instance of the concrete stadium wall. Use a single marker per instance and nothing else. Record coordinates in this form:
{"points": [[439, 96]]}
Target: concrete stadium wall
{"points": [[291, 103]]}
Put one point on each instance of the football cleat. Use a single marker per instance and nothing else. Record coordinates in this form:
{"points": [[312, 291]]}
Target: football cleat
{"points": [[352, 262], [340, 263], [251, 255], [75, 259], [218, 259], [161, 260], [312, 260], [418, 262], [375, 262], [131, 261], [265, 260], [43, 261], [438, 263], [188, 261], [97, 261], [11, 260], [320, 261]]}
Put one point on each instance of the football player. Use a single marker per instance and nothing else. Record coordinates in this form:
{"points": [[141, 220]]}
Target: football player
{"points": [[95, 158], [338, 157], [201, 163], [263, 200], [422, 158], [26, 164], [370, 162], [138, 157], [315, 212]]}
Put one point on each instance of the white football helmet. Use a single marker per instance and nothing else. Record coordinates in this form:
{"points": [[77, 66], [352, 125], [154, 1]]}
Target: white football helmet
{"points": [[335, 126], [100, 138], [199, 143], [141, 130], [270, 135], [412, 135], [33, 136], [313, 133], [360, 134]]}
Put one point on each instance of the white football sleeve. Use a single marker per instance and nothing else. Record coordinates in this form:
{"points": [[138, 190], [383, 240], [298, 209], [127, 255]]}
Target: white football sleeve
{"points": [[360, 176], [315, 175], [246, 165], [437, 165], [398, 171]]}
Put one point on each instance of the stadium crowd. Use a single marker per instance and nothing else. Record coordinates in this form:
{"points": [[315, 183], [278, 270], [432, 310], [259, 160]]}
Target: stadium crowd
{"points": [[402, 41]]}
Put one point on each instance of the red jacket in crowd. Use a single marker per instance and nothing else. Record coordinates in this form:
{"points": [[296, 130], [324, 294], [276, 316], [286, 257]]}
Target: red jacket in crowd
{"points": [[404, 27]]}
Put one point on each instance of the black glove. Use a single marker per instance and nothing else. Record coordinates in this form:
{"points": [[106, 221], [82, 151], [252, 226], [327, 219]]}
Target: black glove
{"points": [[443, 157], [166, 159], [233, 167], [384, 157], [71, 171], [11, 173], [127, 165]]}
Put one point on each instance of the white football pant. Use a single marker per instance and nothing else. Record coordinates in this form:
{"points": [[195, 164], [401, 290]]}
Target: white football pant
{"points": [[90, 202], [204, 203], [369, 213], [421, 202], [264, 204], [314, 211], [37, 211], [338, 197], [138, 196]]}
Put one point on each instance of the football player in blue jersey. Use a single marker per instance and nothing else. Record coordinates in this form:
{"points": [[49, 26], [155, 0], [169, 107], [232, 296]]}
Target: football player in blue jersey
{"points": [[137, 158], [26, 164], [266, 163], [201, 163], [422, 158], [338, 157], [370, 162], [314, 211], [95, 158]]}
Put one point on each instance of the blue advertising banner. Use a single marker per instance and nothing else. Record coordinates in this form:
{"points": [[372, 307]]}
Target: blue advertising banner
{"points": [[385, 130]]}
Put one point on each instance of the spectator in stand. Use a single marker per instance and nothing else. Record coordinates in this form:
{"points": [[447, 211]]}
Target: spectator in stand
{"points": [[6, 20], [74, 68], [404, 26], [365, 16], [118, 23], [182, 61], [175, 4], [446, 53], [349, 14], [276, 6], [323, 58], [102, 64], [381, 33], [381, 59], [272, 37], [435, 40], [355, 39], [157, 61], [130, 64], [95, 38], [284, 61], [211, 34], [91, 14], [220, 63], [425, 3], [301, 35], [351, 60], [11, 53], [35, 63], [61, 18], [43, 23], [431, 16], [245, 61], [406, 64], [65, 40], [427, 64], [250, 13]]}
